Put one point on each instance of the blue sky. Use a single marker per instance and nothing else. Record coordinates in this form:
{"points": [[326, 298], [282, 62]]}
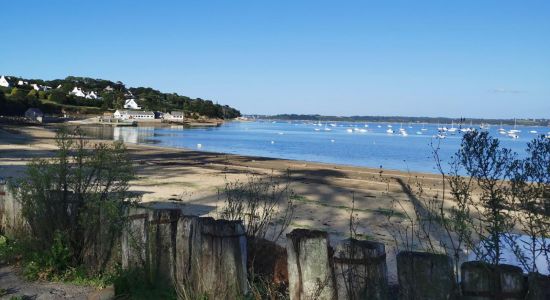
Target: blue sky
{"points": [[414, 58]]}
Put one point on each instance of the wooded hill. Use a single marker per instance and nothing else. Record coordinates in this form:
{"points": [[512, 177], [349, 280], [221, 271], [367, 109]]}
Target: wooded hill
{"points": [[54, 97]]}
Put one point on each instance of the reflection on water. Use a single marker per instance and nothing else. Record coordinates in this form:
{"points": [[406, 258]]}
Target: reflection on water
{"points": [[124, 134]]}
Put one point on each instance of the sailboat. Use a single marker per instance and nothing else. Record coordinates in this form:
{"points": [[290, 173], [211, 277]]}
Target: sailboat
{"points": [[452, 130], [514, 130], [424, 128]]}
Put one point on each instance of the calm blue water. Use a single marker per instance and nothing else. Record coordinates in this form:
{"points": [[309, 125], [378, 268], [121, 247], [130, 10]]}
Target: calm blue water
{"points": [[365, 146]]}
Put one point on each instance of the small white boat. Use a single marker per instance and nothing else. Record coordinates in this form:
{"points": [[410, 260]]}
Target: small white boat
{"points": [[332, 125], [419, 132], [513, 135], [317, 129], [390, 131], [366, 125], [362, 130], [440, 136], [403, 133], [389, 126], [349, 130], [452, 130], [533, 131], [379, 126]]}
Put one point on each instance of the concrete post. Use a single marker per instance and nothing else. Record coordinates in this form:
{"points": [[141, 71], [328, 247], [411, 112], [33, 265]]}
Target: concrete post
{"points": [[482, 281], [424, 275], [134, 238], [310, 273], [361, 271]]}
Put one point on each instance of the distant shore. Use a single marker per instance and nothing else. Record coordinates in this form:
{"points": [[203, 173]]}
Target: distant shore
{"points": [[460, 121]]}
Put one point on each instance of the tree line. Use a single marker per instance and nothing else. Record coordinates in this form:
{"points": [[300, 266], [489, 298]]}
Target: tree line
{"points": [[14, 100]]}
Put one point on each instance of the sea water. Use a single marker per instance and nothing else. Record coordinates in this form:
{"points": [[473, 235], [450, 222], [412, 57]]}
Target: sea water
{"points": [[354, 144]]}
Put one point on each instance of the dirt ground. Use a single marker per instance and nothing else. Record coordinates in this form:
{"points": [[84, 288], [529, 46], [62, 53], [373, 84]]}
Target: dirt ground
{"points": [[324, 191]]}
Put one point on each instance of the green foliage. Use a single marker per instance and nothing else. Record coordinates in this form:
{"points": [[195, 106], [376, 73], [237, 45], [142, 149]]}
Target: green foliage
{"points": [[148, 98], [133, 284], [489, 165], [81, 193]]}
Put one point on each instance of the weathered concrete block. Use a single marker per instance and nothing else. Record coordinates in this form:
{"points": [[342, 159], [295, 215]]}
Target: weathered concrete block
{"points": [[360, 269], [134, 238], [482, 281], [539, 287], [12, 220], [424, 275], [310, 271], [160, 243], [220, 270], [185, 274]]}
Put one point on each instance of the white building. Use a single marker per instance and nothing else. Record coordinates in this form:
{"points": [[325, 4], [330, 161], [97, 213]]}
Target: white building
{"points": [[174, 116], [92, 95], [78, 92], [4, 81], [34, 114], [131, 104], [134, 115], [21, 82], [108, 89]]}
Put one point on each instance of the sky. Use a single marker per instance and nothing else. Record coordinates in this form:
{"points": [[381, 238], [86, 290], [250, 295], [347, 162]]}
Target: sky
{"points": [[464, 58]]}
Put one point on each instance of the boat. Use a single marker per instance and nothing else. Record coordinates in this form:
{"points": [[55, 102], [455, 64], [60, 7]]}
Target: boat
{"points": [[332, 125], [403, 133], [390, 131], [424, 128], [484, 126], [419, 132], [514, 130], [317, 129], [452, 130], [513, 135], [440, 136], [389, 126], [533, 131], [379, 126], [349, 130], [327, 129], [362, 130]]}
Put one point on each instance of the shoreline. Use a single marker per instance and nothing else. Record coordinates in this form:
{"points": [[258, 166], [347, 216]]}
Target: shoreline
{"points": [[324, 192]]}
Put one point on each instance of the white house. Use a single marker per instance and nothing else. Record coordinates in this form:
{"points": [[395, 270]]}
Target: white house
{"points": [[131, 104], [78, 92], [108, 89], [92, 95], [4, 81], [134, 115], [174, 116], [21, 82]]}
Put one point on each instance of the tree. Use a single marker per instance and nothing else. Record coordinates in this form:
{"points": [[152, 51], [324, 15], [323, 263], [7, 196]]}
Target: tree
{"points": [[78, 198], [58, 97]]}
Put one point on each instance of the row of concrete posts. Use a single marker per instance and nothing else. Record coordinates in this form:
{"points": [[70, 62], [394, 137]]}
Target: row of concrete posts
{"points": [[207, 258]]}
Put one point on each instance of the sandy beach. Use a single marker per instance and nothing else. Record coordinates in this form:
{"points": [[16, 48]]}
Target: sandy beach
{"points": [[324, 191]]}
